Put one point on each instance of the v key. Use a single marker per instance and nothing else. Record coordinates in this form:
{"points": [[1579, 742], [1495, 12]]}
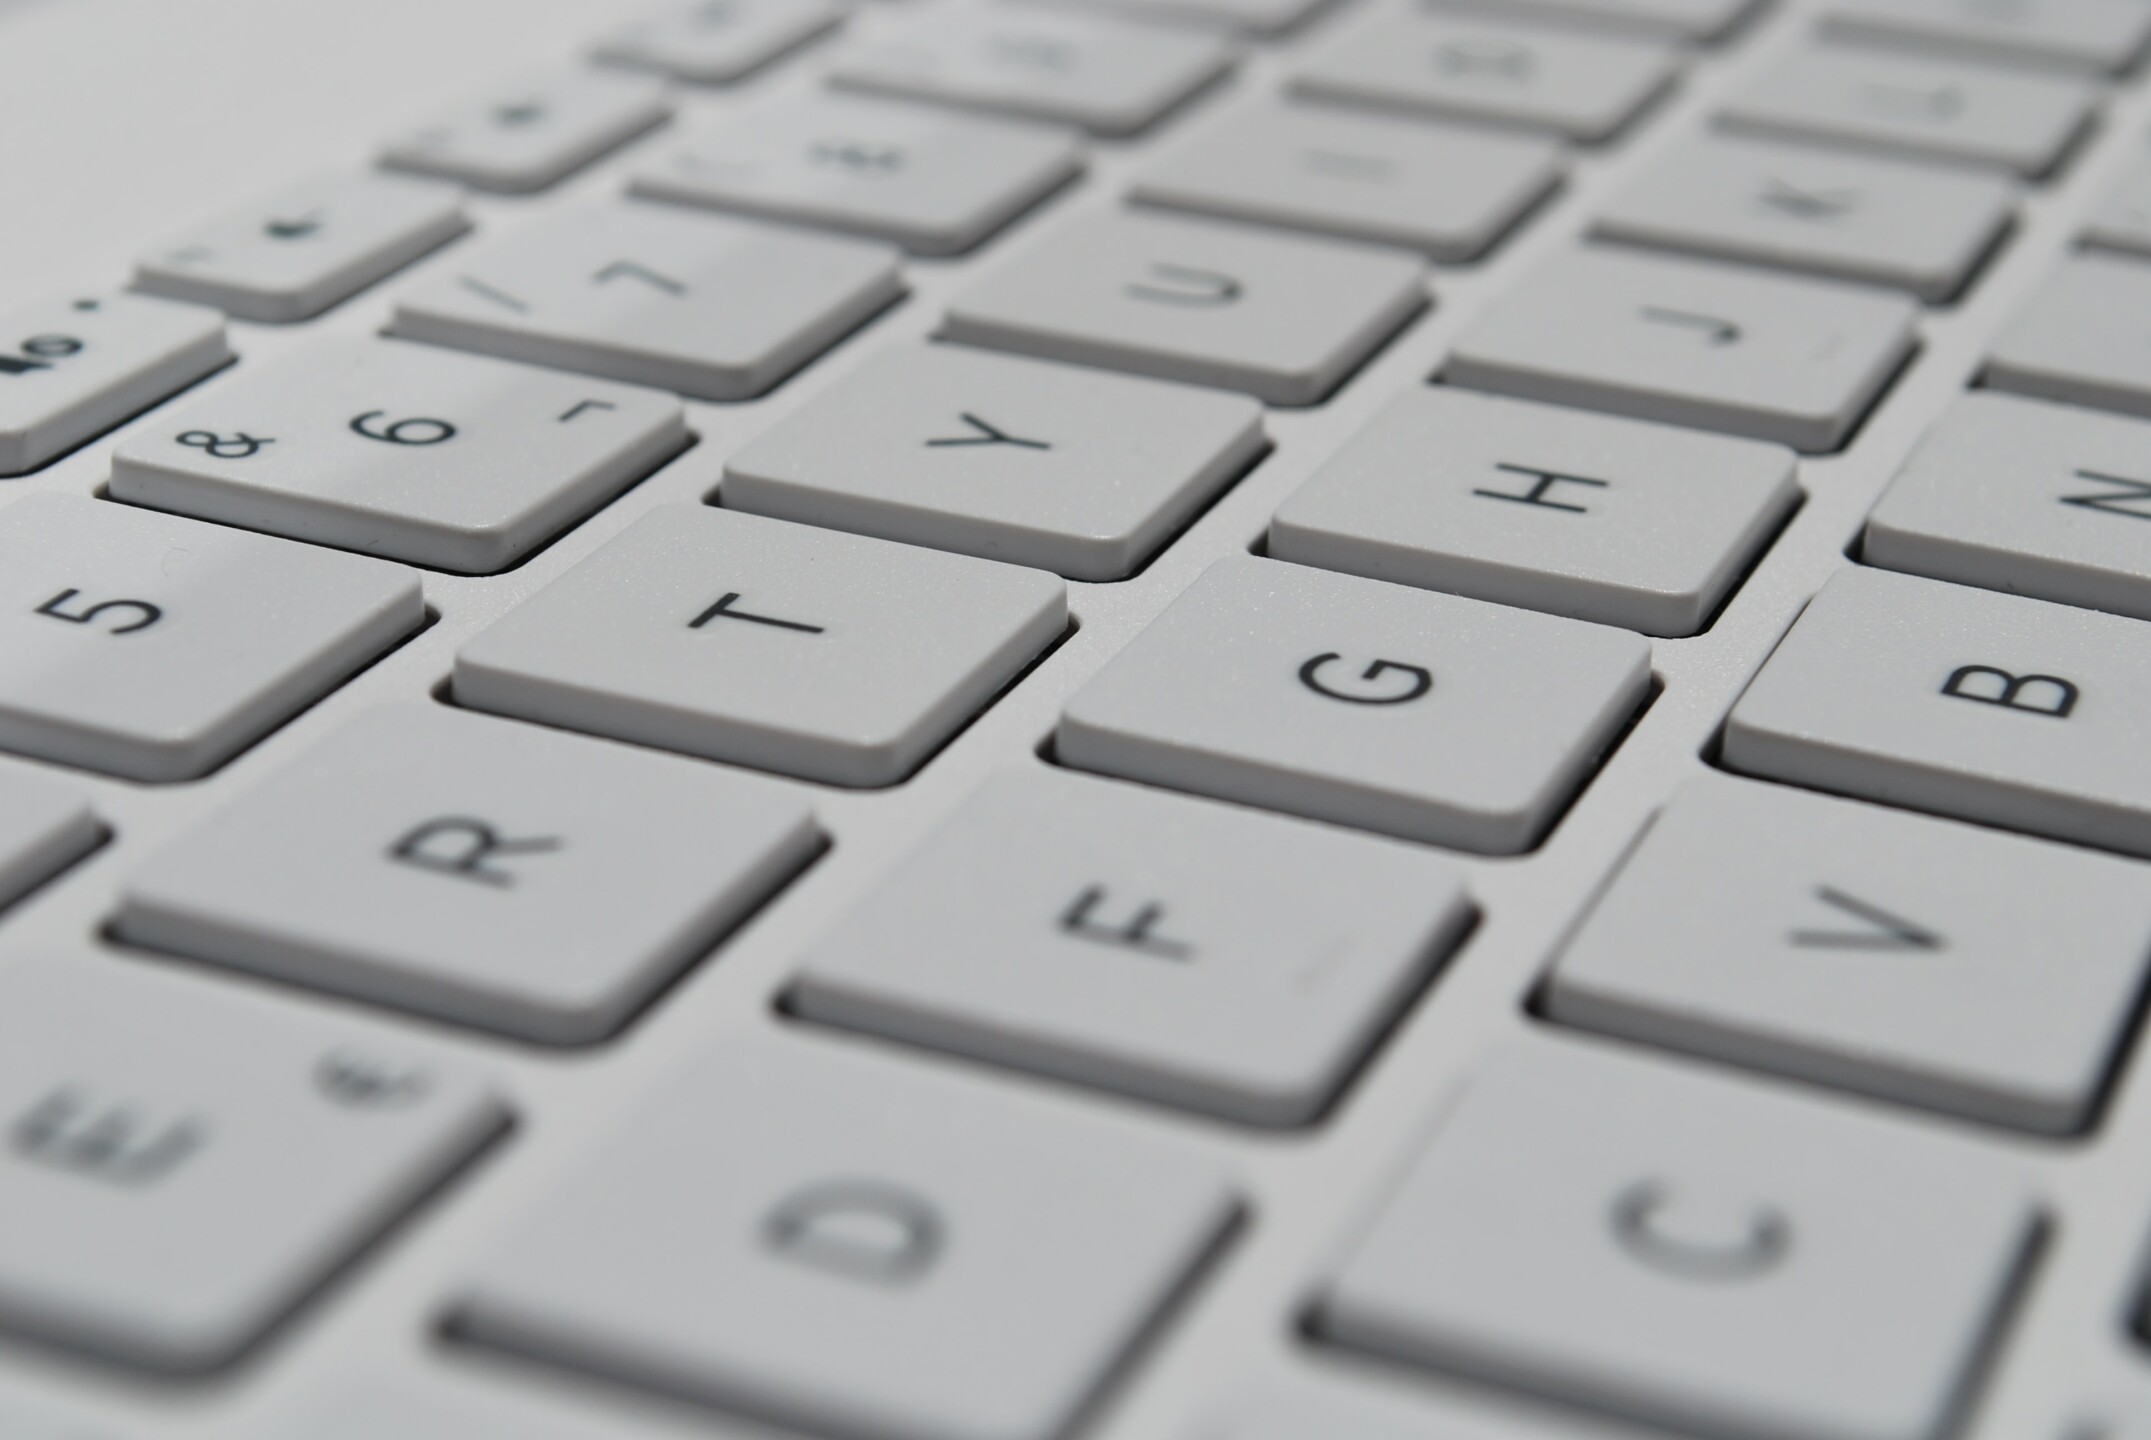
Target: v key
{"points": [[1880, 929]]}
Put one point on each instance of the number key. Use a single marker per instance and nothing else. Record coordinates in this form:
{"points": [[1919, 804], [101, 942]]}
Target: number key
{"points": [[533, 132]]}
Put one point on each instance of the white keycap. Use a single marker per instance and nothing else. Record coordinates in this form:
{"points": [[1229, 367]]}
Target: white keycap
{"points": [[1283, 318], [307, 247], [1988, 707], [20, 1422], [187, 1161], [714, 308], [75, 366], [1182, 952], [715, 42], [1686, 342], [835, 1242], [2025, 123], [500, 875], [1257, 18], [2082, 337], [2090, 36], [1342, 699], [1077, 471], [533, 131], [932, 182], [156, 648], [1616, 521], [2123, 220], [404, 451], [1922, 961], [830, 656], [1106, 77], [1850, 217], [1681, 20], [1451, 193], [1426, 62], [2019, 495], [1690, 1252], [45, 826]]}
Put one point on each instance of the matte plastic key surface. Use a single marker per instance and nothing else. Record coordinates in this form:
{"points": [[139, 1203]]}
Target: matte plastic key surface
{"points": [[2122, 220], [2098, 37], [74, 366], [533, 131], [46, 825], [2084, 337], [717, 42], [1696, 21], [1262, 19]]}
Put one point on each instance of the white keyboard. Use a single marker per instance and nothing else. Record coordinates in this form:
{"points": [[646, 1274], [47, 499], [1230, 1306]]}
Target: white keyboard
{"points": [[1075, 720]]}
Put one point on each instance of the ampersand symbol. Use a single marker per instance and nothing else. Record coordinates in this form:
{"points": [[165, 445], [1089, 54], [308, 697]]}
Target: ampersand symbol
{"points": [[238, 446]]}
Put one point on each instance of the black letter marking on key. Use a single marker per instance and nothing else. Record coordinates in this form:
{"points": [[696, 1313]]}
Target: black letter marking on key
{"points": [[1420, 683], [1883, 931], [987, 435], [1199, 289], [1637, 1223], [1501, 59], [1133, 934], [633, 271], [587, 405], [486, 292], [149, 614], [723, 610], [412, 430], [1715, 331], [2112, 502], [459, 846], [1542, 482], [2009, 693], [359, 1081], [1804, 203], [860, 1229], [866, 155], [64, 1131], [237, 446]]}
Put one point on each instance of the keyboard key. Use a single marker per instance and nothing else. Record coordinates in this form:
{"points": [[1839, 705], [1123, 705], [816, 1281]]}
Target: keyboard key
{"points": [[1105, 77], [1283, 318], [1773, 357], [1348, 1408], [392, 1405], [834, 1242], [2088, 36], [1692, 1253], [1842, 216], [534, 131], [2123, 220], [1643, 526], [725, 635], [2018, 495], [19, 1422], [2081, 337], [1921, 961], [1256, 18], [1450, 194], [932, 182], [1077, 471], [2024, 123], [1341, 699], [156, 648], [1698, 21], [45, 826], [74, 367], [1425, 62], [716, 42], [403, 451], [1987, 707], [714, 308], [497, 875], [1185, 953], [307, 247], [187, 1162]]}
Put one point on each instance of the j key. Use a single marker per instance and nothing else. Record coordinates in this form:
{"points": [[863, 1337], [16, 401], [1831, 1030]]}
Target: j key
{"points": [[500, 875], [1073, 470], [1995, 708], [1342, 699], [1777, 358], [1922, 961], [533, 132], [415, 454], [1842, 216], [1283, 318], [1450, 194], [156, 648], [932, 182], [307, 247], [186, 1162], [2090, 36], [1260, 18], [714, 308], [2082, 337], [45, 826], [1190, 954], [73, 367], [1691, 1252], [781, 1195], [2019, 495], [1424, 62], [1624, 523], [2023, 123], [828, 656], [2123, 221], [1104, 76], [1680, 20], [716, 42]]}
